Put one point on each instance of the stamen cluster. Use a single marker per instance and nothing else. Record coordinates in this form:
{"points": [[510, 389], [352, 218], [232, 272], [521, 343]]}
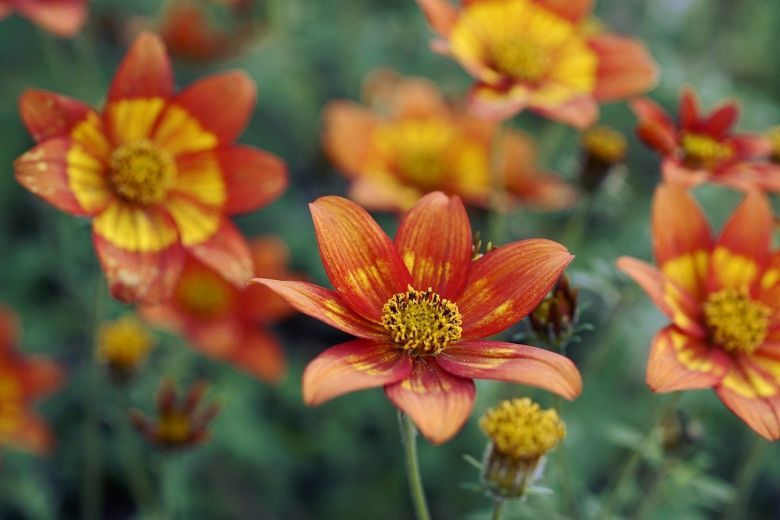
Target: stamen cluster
{"points": [[142, 172], [735, 321]]}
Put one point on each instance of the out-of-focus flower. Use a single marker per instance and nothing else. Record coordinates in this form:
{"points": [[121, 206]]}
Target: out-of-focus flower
{"points": [[603, 149], [546, 55], [723, 297], [521, 434], [409, 141], [123, 345], [23, 380], [554, 319], [60, 17], [773, 135], [179, 423], [227, 323], [157, 172], [420, 306], [697, 149]]}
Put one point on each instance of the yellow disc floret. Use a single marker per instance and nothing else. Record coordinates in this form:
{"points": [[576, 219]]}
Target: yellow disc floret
{"points": [[520, 58], [174, 428], [605, 143], [522, 430], [416, 149], [735, 321], [11, 406], [421, 322], [141, 172], [704, 151], [125, 343]]}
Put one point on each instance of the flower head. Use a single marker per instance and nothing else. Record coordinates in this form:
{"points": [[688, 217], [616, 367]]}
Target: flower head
{"points": [[60, 17], [227, 323], [545, 55], [23, 380], [409, 141], [156, 172], [555, 318], [698, 148], [123, 345], [420, 307], [723, 296]]}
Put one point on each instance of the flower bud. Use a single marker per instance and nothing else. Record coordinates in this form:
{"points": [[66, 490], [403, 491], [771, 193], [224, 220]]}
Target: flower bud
{"points": [[554, 319], [603, 148], [123, 345]]}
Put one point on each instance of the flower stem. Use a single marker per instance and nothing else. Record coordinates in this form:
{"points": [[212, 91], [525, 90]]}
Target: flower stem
{"points": [[746, 479], [499, 505], [135, 471], [409, 440], [564, 470]]}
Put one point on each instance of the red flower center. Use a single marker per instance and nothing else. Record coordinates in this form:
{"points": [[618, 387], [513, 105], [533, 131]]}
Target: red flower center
{"points": [[736, 322], [141, 172]]}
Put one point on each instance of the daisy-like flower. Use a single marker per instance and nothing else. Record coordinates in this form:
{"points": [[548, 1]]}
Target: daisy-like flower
{"points": [[60, 17], [698, 148], [227, 323], [420, 308], [545, 55], [723, 297], [409, 141], [23, 380], [156, 172]]}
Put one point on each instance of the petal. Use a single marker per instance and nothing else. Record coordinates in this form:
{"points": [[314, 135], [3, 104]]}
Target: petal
{"points": [[383, 194], [655, 128], [721, 120], [434, 240], [625, 67], [753, 396], [508, 283], [361, 261], [145, 72], [416, 98], [324, 305], [63, 18], [689, 109], [221, 103], [348, 135], [581, 112], [260, 355], [572, 10], [131, 120], [225, 251], [678, 361], [199, 177], [40, 376], [195, 221], [46, 114], [254, 178], [497, 104], [512, 363], [32, 435], [440, 14], [351, 366], [439, 403], [179, 132]]}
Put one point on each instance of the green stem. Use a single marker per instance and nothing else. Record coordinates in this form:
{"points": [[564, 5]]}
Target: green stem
{"points": [[137, 476], [653, 492], [564, 470], [498, 508], [746, 479], [409, 440]]}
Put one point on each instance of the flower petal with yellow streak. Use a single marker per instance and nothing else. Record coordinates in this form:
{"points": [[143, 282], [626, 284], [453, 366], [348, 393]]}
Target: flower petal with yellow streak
{"points": [[199, 176], [680, 362], [753, 399], [135, 229], [178, 132], [195, 222], [226, 252], [131, 120]]}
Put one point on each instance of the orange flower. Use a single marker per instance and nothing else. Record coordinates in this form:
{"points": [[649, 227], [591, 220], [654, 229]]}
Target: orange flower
{"points": [[698, 149], [419, 307], [157, 171], [227, 323], [23, 381], [409, 141], [723, 297], [546, 55], [61, 17]]}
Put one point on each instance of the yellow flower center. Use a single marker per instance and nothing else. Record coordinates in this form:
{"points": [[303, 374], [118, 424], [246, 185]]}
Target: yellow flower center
{"points": [[141, 172], [174, 428], [124, 343], [520, 58], [416, 149], [605, 143], [203, 294], [11, 409], [735, 322], [421, 322], [522, 430], [704, 151], [774, 139]]}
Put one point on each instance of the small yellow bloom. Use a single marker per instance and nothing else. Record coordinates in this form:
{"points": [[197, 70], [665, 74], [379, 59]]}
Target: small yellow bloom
{"points": [[124, 345]]}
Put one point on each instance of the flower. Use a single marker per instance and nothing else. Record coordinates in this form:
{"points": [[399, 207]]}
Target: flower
{"points": [[61, 17], [420, 307], [603, 148], [179, 424], [157, 172], [23, 380], [227, 323], [409, 141], [773, 136], [123, 345], [698, 149], [555, 318], [723, 296], [546, 55], [521, 434]]}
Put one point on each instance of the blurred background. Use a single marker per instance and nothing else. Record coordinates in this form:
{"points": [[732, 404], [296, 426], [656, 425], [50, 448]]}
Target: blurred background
{"points": [[271, 457]]}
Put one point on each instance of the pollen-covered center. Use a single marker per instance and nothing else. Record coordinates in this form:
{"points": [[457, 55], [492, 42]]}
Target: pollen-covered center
{"points": [[736, 322], [520, 58], [416, 149], [704, 151], [421, 322], [522, 430], [141, 172], [175, 427], [11, 402]]}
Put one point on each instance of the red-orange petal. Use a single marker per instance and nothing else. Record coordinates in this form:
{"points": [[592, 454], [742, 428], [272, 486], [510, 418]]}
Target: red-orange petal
{"points": [[46, 114], [253, 178], [581, 112], [348, 135], [689, 109], [227, 252], [520, 364], [40, 376], [63, 17], [324, 305], [496, 104], [508, 283], [572, 10], [625, 67], [434, 240], [761, 414], [361, 261], [351, 366], [5, 8], [441, 15], [32, 435], [721, 120], [438, 402], [654, 126], [678, 361], [145, 71], [260, 355]]}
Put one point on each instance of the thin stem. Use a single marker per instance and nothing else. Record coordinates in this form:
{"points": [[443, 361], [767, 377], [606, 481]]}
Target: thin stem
{"points": [[653, 492], [564, 470], [137, 476], [746, 479], [409, 440], [498, 508]]}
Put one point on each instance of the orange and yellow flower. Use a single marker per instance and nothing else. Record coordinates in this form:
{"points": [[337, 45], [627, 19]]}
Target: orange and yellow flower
{"points": [[549, 56], [23, 380], [409, 141], [698, 148], [157, 171], [723, 298], [60, 17], [420, 307], [227, 323]]}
